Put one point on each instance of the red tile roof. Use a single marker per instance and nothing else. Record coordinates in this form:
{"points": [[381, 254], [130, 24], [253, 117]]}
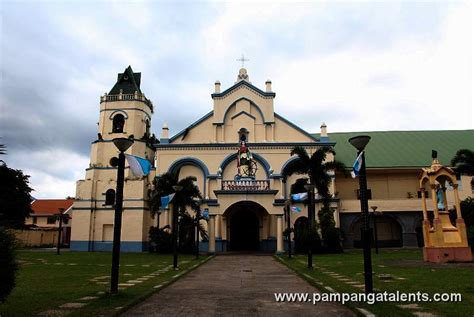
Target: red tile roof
{"points": [[50, 206]]}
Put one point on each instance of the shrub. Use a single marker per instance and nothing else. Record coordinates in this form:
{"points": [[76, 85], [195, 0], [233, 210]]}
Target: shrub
{"points": [[470, 236], [8, 265], [330, 234], [161, 240], [304, 238]]}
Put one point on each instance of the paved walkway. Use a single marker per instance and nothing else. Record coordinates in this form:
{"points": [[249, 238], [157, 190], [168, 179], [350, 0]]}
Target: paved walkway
{"points": [[235, 285]]}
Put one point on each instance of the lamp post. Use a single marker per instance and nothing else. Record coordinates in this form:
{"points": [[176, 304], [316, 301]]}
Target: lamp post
{"points": [[197, 219], [122, 145], [177, 189], [288, 226], [60, 229], [310, 189], [375, 215], [360, 142]]}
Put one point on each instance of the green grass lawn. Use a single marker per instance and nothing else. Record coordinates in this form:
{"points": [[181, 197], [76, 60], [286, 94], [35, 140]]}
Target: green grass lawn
{"points": [[408, 275], [46, 281]]}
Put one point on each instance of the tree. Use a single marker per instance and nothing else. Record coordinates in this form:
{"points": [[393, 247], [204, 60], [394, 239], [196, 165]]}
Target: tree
{"points": [[8, 264], [317, 169], [463, 162], [15, 202], [467, 212], [187, 197], [15, 198]]}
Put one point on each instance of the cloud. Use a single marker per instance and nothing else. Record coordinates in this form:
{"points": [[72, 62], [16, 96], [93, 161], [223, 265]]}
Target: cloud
{"points": [[356, 66]]}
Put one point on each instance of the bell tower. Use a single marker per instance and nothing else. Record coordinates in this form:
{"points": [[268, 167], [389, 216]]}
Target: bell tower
{"points": [[125, 112]]}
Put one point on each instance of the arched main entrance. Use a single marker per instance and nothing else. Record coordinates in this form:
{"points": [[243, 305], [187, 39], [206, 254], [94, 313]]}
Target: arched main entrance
{"points": [[244, 222]]}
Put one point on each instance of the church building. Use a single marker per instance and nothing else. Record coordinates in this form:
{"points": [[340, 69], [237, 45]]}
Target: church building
{"points": [[239, 152]]}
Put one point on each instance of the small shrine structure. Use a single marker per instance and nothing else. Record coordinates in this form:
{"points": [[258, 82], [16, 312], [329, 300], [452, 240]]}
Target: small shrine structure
{"points": [[445, 241]]}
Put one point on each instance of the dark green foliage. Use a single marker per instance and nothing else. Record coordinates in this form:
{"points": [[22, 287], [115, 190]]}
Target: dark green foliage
{"points": [[15, 199], [161, 240], [467, 212], [330, 234], [8, 265], [298, 186], [304, 238], [317, 168], [187, 234], [463, 162], [188, 197]]}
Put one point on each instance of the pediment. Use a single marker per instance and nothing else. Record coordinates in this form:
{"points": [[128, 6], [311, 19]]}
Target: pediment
{"points": [[243, 84]]}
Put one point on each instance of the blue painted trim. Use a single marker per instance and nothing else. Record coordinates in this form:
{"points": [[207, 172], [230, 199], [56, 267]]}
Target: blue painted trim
{"points": [[113, 114], [101, 200], [151, 147], [221, 245], [324, 139], [211, 202], [176, 165], [203, 246], [244, 83], [111, 208], [189, 161], [125, 246], [256, 156], [287, 163], [268, 245], [279, 202], [234, 145], [164, 141], [296, 127], [192, 125], [243, 112]]}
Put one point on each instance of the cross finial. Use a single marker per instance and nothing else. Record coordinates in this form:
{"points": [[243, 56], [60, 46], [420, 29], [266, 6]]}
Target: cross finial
{"points": [[243, 60]]}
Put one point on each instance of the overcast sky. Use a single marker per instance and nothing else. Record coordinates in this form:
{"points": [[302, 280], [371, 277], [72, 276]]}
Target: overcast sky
{"points": [[357, 66]]}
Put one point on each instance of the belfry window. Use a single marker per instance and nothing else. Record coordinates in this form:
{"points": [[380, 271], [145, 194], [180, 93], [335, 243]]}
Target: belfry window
{"points": [[243, 135], [110, 197], [118, 123]]}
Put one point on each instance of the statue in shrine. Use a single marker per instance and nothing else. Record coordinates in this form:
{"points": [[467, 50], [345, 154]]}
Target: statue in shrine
{"points": [[439, 198], [245, 164]]}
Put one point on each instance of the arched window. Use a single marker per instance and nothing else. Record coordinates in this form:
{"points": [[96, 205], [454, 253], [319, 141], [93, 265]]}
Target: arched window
{"points": [[118, 123], [110, 197]]}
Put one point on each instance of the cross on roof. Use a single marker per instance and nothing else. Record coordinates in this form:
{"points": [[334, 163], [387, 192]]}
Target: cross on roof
{"points": [[243, 60]]}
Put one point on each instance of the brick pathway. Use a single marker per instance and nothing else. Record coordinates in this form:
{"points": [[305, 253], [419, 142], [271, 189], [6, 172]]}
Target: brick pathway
{"points": [[235, 285]]}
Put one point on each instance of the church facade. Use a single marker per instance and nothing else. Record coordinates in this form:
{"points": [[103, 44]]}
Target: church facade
{"points": [[245, 202]]}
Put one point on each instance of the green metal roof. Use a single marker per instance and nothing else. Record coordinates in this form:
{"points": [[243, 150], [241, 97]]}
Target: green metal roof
{"points": [[403, 149]]}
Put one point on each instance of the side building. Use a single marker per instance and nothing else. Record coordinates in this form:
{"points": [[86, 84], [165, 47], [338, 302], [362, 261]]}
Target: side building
{"points": [[394, 160]]}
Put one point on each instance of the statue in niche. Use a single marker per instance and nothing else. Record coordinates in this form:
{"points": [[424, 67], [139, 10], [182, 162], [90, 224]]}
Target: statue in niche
{"points": [[246, 166]]}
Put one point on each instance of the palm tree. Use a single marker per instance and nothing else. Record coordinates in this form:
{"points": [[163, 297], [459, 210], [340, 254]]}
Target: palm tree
{"points": [[187, 197], [463, 162], [317, 169]]}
